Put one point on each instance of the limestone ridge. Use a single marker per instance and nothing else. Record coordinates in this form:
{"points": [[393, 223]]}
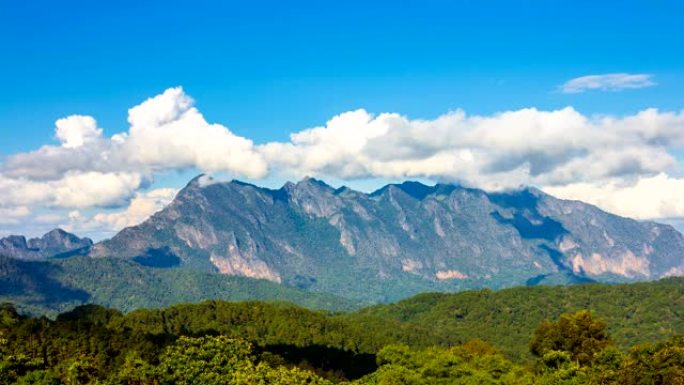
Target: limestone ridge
{"points": [[399, 240], [55, 243]]}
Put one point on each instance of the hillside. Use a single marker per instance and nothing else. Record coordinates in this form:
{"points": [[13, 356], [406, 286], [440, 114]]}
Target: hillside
{"points": [[636, 313], [428, 339], [50, 287]]}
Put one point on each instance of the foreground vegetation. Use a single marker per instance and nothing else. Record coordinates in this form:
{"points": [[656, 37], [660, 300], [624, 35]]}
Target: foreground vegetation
{"points": [[94, 345], [524, 336]]}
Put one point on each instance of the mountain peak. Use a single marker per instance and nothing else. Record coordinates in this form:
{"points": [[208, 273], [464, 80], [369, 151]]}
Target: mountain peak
{"points": [[307, 186], [56, 233], [55, 242], [415, 189], [311, 181], [201, 180]]}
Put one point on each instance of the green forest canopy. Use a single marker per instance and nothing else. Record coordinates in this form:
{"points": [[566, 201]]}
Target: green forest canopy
{"points": [[543, 335]]}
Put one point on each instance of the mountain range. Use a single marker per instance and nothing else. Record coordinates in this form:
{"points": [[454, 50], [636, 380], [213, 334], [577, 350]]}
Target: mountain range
{"points": [[382, 246], [397, 241], [55, 243]]}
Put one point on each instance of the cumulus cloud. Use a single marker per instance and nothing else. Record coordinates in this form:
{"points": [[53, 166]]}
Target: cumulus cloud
{"points": [[76, 130], [168, 133], [86, 169], [652, 197], [607, 82], [504, 150], [607, 160], [74, 190]]}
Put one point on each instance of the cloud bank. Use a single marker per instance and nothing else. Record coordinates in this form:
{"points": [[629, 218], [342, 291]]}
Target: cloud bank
{"points": [[625, 164], [607, 82]]}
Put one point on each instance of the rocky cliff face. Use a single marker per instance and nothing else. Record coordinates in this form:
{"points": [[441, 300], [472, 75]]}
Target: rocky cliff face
{"points": [[397, 241], [55, 243]]}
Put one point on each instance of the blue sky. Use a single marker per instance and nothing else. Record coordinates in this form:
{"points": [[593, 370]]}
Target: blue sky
{"points": [[266, 70], [269, 68]]}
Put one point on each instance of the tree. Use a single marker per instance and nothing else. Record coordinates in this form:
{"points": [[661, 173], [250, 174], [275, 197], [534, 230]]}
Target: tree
{"points": [[39, 377], [224, 361], [79, 370], [203, 361], [475, 362], [655, 364], [8, 315], [135, 371], [579, 334], [559, 369], [262, 374]]}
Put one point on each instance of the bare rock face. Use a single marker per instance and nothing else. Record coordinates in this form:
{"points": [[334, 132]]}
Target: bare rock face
{"points": [[55, 243], [398, 240]]}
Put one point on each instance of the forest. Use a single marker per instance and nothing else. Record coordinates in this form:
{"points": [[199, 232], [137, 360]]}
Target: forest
{"points": [[583, 334]]}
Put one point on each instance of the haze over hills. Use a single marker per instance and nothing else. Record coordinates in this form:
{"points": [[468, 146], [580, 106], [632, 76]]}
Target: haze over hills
{"points": [[397, 241]]}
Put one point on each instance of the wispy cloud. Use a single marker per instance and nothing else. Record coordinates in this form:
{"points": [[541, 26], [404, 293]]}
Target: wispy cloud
{"points": [[607, 82]]}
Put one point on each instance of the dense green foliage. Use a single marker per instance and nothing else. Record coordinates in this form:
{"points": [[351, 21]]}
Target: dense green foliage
{"points": [[635, 313], [219, 343], [581, 336], [50, 287]]}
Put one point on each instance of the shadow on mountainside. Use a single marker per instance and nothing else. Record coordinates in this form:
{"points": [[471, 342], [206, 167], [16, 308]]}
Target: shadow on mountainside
{"points": [[162, 257], [36, 281]]}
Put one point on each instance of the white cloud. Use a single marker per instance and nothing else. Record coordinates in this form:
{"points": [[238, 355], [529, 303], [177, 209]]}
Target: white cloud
{"points": [[99, 223], [76, 130], [658, 196], [607, 82], [48, 219], [13, 215], [140, 208], [74, 190], [600, 159], [168, 133], [504, 150]]}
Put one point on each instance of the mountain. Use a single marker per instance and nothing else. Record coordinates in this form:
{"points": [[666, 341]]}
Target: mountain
{"points": [[58, 285], [397, 241], [55, 243]]}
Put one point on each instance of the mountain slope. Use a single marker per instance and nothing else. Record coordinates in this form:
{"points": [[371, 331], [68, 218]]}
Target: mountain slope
{"points": [[397, 241], [49, 287], [635, 313], [55, 243]]}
